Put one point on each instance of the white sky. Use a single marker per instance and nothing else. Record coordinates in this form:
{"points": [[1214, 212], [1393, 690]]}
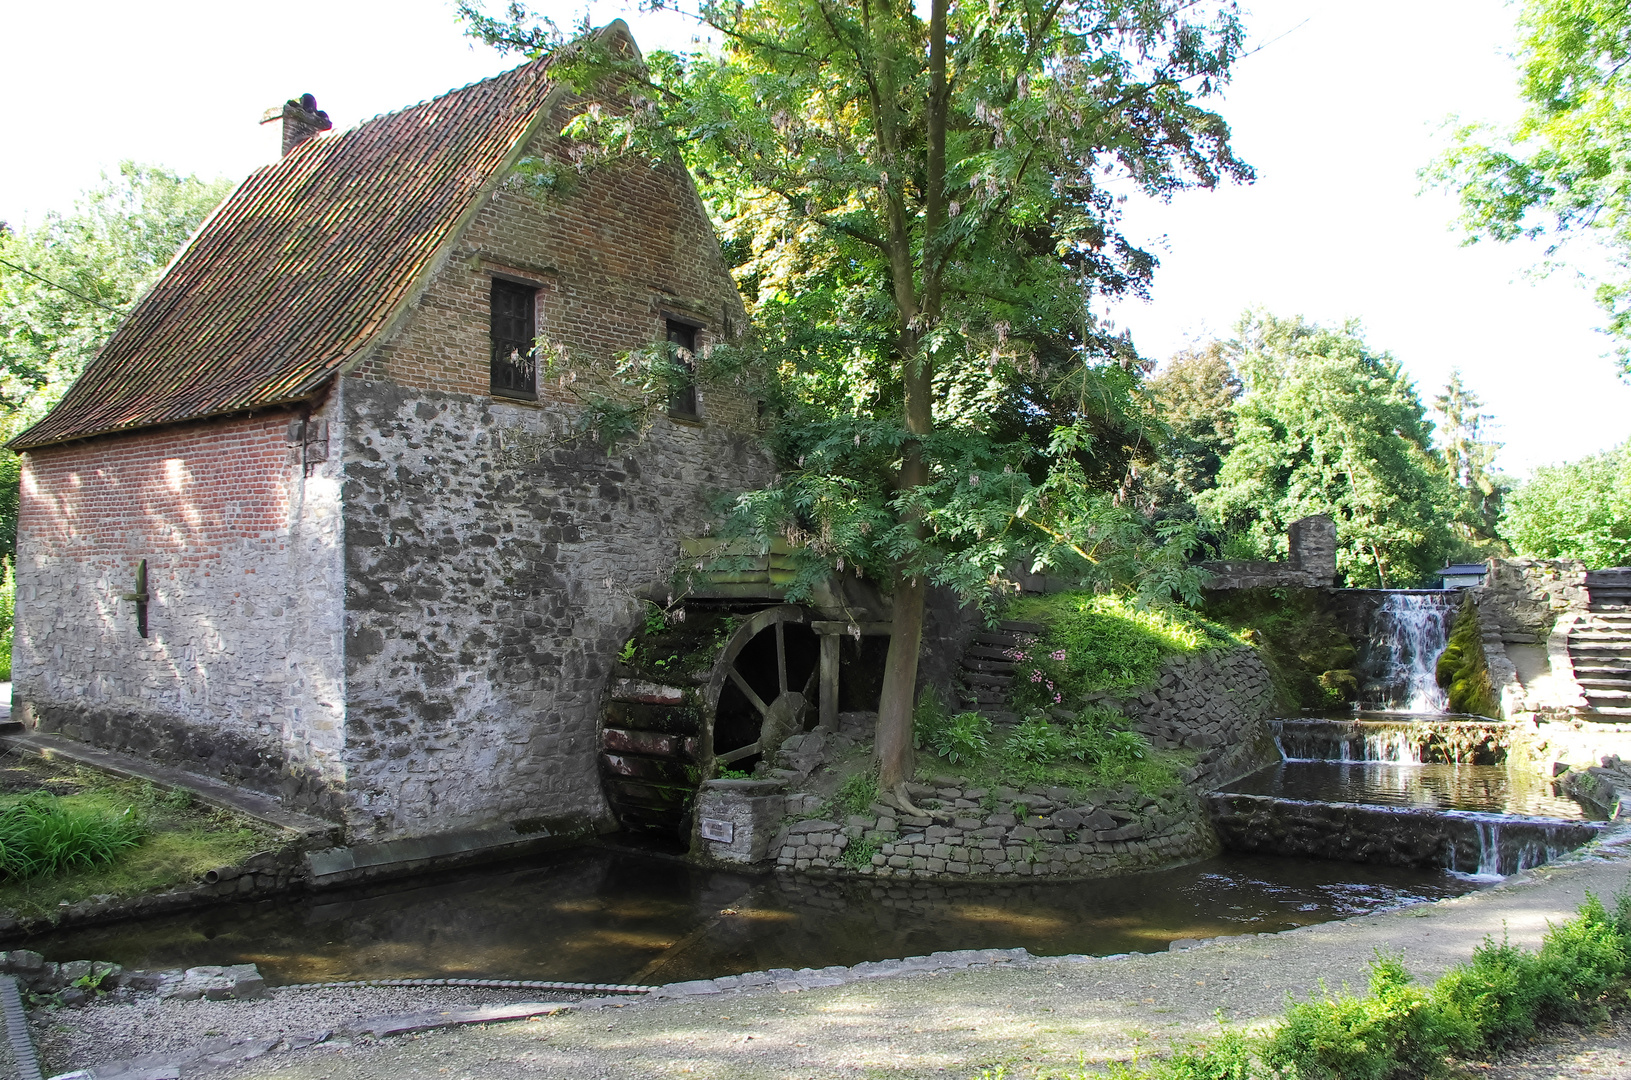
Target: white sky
{"points": [[1336, 116]]}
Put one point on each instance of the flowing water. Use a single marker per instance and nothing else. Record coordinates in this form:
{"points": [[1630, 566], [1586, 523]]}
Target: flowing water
{"points": [[1408, 633], [609, 916]]}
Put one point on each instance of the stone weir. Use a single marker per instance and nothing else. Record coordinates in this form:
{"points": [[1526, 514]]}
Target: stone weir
{"points": [[1445, 792]]}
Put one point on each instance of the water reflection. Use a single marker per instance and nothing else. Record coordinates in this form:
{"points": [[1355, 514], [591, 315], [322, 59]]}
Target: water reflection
{"points": [[1492, 788], [608, 916]]}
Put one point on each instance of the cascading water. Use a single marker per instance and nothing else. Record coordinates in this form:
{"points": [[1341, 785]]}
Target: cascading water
{"points": [[1408, 634]]}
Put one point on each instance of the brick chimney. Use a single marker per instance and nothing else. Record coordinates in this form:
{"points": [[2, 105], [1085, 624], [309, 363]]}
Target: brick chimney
{"points": [[301, 120]]}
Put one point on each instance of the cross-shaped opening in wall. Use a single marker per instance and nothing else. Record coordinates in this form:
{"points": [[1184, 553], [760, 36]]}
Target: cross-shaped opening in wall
{"points": [[140, 597]]}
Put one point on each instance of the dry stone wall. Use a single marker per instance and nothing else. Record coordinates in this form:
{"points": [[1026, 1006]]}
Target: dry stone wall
{"points": [[1217, 703], [976, 834]]}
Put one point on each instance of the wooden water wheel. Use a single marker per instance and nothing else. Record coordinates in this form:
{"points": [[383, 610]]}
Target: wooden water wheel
{"points": [[719, 691]]}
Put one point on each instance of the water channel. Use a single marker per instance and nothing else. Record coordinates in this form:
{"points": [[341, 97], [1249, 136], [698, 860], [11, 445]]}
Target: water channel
{"points": [[599, 915]]}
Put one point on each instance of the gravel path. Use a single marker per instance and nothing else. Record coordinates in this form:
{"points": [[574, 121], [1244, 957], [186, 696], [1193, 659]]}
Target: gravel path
{"points": [[1035, 1016]]}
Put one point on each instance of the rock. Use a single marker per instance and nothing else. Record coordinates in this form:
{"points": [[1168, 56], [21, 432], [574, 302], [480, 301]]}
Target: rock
{"points": [[24, 962], [74, 970]]}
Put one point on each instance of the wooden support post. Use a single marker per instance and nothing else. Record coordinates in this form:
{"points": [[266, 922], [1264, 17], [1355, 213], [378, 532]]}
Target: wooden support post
{"points": [[829, 684]]}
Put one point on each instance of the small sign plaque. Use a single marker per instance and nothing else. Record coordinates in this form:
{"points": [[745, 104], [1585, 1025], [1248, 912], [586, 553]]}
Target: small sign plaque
{"points": [[722, 831]]}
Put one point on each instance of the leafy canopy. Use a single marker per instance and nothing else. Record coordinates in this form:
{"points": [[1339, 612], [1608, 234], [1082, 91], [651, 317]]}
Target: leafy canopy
{"points": [[66, 283], [890, 226], [1561, 170], [1580, 510], [1326, 426]]}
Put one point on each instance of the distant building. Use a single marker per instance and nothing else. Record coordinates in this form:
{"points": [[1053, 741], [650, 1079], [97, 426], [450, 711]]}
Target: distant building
{"points": [[1462, 575]]}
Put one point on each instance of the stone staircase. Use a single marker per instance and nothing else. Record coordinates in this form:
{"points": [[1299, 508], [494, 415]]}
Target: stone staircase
{"points": [[988, 669], [1600, 644]]}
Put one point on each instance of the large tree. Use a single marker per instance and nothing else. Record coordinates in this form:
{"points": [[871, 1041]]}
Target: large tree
{"points": [[1193, 396], [1579, 510], [66, 282], [1565, 167], [1469, 455], [1327, 426], [924, 198]]}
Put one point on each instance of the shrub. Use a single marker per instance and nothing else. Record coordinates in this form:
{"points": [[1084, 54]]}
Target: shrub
{"points": [[41, 834], [860, 851], [8, 613], [857, 793], [962, 738], [1393, 1031]]}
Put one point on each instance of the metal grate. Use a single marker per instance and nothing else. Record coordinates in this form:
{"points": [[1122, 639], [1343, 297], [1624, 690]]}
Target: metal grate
{"points": [[515, 364]]}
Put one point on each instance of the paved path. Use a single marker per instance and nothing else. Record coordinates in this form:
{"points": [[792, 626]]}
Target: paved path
{"points": [[1035, 1017]]}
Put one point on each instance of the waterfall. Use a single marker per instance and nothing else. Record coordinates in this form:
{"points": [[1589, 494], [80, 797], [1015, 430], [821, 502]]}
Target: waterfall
{"points": [[1408, 634]]}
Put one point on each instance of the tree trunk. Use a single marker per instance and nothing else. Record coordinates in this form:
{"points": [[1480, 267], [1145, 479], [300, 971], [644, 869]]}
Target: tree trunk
{"points": [[893, 744]]}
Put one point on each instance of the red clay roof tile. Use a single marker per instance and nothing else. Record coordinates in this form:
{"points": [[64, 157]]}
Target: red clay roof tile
{"points": [[300, 266]]}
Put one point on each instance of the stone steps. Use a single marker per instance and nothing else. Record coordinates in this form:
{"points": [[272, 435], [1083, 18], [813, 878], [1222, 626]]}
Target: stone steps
{"points": [[1600, 647]]}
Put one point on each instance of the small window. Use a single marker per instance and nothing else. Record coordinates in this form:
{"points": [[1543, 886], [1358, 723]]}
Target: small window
{"points": [[514, 323], [683, 403]]}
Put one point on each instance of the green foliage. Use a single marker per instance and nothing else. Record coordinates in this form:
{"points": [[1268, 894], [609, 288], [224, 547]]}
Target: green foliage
{"points": [[961, 738], [1309, 655], [1401, 1031], [1327, 426], [1193, 395], [1462, 668], [1097, 641], [860, 851], [1558, 171], [1393, 1031], [8, 600], [1092, 749], [70, 280], [858, 792], [1581, 510], [43, 834], [1468, 456]]}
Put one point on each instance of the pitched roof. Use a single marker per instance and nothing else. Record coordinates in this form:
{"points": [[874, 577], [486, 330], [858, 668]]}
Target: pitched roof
{"points": [[301, 266]]}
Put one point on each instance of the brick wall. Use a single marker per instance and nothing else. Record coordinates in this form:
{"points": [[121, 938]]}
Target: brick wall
{"points": [[239, 674]]}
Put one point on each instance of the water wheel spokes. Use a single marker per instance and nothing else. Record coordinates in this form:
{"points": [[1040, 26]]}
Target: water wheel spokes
{"points": [[762, 686]]}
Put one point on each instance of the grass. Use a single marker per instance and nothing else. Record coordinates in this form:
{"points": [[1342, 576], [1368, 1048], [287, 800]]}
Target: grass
{"points": [[1093, 750], [172, 840], [1098, 642], [1402, 1030]]}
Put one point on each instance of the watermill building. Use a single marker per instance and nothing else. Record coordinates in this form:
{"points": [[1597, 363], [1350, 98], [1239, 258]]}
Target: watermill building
{"points": [[313, 522]]}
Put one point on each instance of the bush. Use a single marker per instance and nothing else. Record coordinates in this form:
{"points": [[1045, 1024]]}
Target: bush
{"points": [[857, 793], [1394, 1031], [42, 834]]}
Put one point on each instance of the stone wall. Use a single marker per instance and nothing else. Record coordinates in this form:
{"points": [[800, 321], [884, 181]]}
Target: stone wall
{"points": [[1217, 703], [240, 674], [1311, 561], [1523, 598], [975, 834], [1394, 836], [488, 593]]}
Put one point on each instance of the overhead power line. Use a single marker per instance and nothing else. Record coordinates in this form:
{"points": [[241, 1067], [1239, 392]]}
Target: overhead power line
{"points": [[58, 285]]}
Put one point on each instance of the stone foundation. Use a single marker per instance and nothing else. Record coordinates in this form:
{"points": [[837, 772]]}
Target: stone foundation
{"points": [[979, 835]]}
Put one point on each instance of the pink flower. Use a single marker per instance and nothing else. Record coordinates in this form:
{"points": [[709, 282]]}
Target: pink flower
{"points": [[1060, 655], [1036, 676], [1057, 699]]}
